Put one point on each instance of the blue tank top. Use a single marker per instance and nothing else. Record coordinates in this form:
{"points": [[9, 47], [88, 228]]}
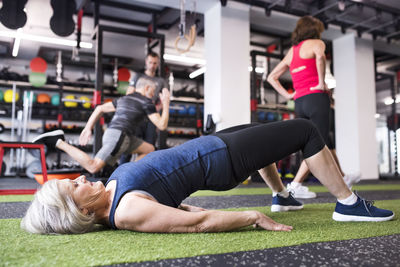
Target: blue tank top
{"points": [[173, 174]]}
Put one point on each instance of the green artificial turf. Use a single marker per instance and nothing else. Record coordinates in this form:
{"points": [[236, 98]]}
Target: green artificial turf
{"points": [[236, 191], [313, 224], [15, 198]]}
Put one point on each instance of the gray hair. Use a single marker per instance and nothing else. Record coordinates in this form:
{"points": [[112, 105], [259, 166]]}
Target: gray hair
{"points": [[143, 82], [53, 211]]}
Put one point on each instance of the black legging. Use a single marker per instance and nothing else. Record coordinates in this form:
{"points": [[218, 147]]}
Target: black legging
{"points": [[316, 108], [255, 146]]}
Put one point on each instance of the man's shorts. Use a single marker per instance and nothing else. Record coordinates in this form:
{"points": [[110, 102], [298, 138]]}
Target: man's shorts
{"points": [[116, 142]]}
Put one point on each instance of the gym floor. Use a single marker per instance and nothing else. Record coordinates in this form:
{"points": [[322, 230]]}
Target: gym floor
{"points": [[372, 251]]}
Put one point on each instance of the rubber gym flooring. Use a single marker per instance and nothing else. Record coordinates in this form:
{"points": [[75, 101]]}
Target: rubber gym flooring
{"points": [[372, 251]]}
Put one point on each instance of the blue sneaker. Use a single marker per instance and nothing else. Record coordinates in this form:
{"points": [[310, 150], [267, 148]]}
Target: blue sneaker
{"points": [[362, 211], [285, 204]]}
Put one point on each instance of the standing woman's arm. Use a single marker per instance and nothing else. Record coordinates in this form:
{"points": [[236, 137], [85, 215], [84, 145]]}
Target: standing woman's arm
{"points": [[277, 72], [319, 52]]}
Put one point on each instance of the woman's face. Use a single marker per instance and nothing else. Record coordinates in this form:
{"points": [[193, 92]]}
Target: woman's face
{"points": [[82, 191]]}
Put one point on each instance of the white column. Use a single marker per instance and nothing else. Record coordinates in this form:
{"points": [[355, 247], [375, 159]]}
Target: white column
{"points": [[227, 79], [355, 106]]}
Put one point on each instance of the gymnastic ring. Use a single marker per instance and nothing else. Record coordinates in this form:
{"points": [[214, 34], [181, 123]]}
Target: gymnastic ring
{"points": [[190, 38], [181, 51]]}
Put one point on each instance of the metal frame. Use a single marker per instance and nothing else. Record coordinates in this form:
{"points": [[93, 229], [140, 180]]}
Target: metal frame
{"points": [[392, 169], [396, 123], [24, 145], [253, 87]]}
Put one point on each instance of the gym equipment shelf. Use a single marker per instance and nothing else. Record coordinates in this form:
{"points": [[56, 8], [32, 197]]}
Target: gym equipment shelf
{"points": [[78, 88], [187, 99]]}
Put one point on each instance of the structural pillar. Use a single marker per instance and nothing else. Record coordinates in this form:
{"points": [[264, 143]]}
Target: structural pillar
{"points": [[355, 106], [227, 79]]}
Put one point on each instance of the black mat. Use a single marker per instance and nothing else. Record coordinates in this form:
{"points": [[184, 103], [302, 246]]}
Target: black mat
{"points": [[225, 202], [374, 251], [18, 183], [11, 210]]}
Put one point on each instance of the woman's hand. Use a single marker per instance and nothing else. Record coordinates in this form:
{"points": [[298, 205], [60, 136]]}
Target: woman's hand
{"points": [[85, 136], [291, 96], [267, 223], [190, 208], [322, 86]]}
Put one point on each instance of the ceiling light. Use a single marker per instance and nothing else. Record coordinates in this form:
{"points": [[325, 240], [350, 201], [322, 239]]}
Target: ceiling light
{"points": [[184, 59], [389, 100], [258, 69], [44, 39], [198, 72], [17, 42]]}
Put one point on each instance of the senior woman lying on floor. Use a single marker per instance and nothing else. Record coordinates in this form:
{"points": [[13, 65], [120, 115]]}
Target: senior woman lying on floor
{"points": [[146, 195]]}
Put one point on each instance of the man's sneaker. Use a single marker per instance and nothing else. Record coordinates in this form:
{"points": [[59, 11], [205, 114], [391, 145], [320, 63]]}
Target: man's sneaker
{"points": [[285, 204], [301, 191], [49, 138], [351, 179], [362, 211]]}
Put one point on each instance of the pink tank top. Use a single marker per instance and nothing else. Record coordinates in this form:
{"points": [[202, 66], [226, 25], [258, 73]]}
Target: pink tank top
{"points": [[306, 75]]}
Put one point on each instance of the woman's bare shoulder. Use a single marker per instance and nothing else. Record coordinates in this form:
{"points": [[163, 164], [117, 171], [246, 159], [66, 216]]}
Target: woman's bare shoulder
{"points": [[134, 209], [130, 202], [314, 42], [111, 185]]}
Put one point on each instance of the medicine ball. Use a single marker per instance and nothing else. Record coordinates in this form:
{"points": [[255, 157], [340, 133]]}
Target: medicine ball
{"points": [[55, 100], [70, 104], [270, 116], [87, 104], [285, 116], [172, 110], [261, 116], [8, 96], [182, 110], [191, 110], [290, 104], [43, 98]]}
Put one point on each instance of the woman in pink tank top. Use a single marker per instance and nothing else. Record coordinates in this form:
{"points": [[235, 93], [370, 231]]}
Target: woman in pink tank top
{"points": [[306, 62]]}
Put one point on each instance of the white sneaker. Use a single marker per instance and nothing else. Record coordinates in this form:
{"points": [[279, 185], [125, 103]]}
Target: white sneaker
{"points": [[301, 191], [351, 179]]}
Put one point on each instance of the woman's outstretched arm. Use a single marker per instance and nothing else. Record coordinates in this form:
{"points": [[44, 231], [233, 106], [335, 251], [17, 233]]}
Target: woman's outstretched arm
{"points": [[190, 208], [141, 214]]}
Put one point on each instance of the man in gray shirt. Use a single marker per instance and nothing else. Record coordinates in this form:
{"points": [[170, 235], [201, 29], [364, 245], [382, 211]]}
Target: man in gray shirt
{"points": [[119, 138], [147, 130]]}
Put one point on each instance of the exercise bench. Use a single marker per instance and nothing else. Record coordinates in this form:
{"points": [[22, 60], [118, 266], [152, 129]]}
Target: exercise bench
{"points": [[25, 145]]}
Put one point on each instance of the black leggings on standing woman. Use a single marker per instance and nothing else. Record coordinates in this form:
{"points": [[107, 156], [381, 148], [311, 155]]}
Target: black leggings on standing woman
{"points": [[316, 108], [255, 146]]}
